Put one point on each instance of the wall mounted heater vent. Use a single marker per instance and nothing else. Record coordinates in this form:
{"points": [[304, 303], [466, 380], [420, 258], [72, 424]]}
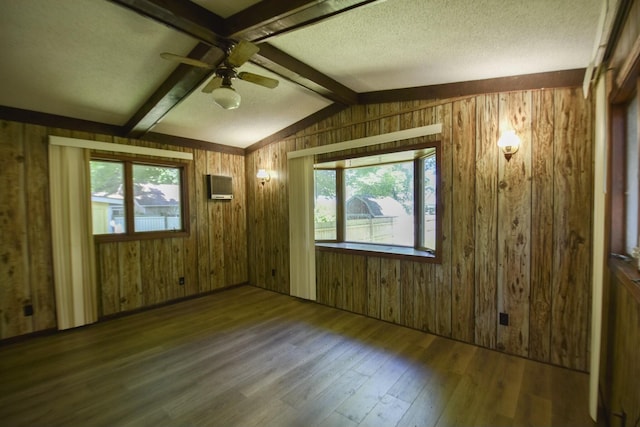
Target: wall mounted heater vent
{"points": [[220, 187]]}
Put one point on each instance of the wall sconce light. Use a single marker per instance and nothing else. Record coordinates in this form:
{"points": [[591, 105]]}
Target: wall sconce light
{"points": [[509, 142], [263, 176]]}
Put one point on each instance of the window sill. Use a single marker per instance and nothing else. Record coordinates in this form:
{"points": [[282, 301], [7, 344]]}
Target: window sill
{"points": [[384, 251]]}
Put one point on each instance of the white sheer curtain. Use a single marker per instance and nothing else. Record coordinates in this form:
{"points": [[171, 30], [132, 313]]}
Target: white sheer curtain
{"points": [[73, 251], [301, 232]]}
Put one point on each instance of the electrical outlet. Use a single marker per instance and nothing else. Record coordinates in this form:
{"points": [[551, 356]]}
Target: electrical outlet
{"points": [[181, 281], [28, 310], [504, 319]]}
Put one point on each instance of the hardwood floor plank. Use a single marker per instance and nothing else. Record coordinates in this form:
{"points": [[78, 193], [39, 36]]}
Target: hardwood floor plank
{"points": [[466, 403], [533, 411], [387, 412], [251, 357]]}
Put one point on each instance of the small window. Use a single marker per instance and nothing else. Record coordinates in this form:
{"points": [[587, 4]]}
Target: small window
{"points": [[107, 197], [131, 198], [632, 177], [157, 200], [430, 201]]}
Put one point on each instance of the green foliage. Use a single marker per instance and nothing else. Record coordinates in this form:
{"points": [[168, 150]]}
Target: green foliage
{"points": [[325, 183], [394, 180], [106, 177], [145, 174], [324, 214]]}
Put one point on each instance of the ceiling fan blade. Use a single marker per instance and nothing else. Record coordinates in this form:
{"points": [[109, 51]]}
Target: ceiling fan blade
{"points": [[214, 83], [185, 60], [241, 53], [258, 79]]}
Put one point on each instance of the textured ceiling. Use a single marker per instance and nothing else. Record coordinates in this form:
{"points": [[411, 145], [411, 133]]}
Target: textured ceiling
{"points": [[407, 43], [98, 60], [263, 112], [81, 58]]}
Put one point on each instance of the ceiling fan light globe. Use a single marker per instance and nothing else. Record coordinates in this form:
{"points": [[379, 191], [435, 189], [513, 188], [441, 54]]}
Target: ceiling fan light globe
{"points": [[226, 97]]}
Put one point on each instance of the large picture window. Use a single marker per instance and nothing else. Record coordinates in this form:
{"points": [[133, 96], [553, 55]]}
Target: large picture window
{"points": [[380, 204], [383, 202], [134, 198]]}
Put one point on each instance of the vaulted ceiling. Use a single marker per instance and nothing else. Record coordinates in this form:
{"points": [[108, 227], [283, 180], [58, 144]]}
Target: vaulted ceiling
{"points": [[98, 61]]}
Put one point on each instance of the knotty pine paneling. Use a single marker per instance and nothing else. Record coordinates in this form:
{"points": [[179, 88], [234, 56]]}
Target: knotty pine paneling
{"points": [[516, 235], [443, 271], [542, 202], [15, 289], [514, 226], [268, 244], [573, 186], [132, 274], [463, 201], [486, 220], [620, 362]]}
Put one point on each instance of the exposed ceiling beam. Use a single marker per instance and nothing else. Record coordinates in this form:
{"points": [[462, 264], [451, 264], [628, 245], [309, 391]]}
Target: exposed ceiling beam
{"points": [[298, 126], [551, 79], [195, 21], [56, 121], [210, 28], [182, 15], [266, 18], [272, 17], [182, 81], [277, 61]]}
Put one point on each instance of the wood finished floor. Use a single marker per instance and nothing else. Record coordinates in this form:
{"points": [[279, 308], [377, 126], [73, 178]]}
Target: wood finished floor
{"points": [[250, 357]]}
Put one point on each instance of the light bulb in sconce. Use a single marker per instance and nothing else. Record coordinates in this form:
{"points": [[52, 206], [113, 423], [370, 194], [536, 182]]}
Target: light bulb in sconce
{"points": [[509, 142], [263, 176]]}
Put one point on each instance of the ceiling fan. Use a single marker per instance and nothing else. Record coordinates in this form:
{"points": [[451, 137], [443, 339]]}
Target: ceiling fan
{"points": [[220, 85]]}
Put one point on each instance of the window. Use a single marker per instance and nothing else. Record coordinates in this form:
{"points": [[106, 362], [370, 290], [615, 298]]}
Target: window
{"points": [[631, 167], [381, 202], [134, 198], [325, 210]]}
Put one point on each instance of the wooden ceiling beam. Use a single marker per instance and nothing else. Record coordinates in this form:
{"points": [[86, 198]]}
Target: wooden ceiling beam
{"points": [[551, 79], [256, 23], [279, 62], [269, 18], [192, 20], [184, 16], [180, 83]]}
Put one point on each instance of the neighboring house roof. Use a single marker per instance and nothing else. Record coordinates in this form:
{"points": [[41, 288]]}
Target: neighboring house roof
{"points": [[376, 207], [148, 195], [109, 199]]}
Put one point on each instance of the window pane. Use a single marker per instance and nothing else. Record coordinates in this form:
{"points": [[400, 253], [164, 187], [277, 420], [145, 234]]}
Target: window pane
{"points": [[631, 194], [430, 201], [107, 197], [379, 204], [156, 193], [325, 204]]}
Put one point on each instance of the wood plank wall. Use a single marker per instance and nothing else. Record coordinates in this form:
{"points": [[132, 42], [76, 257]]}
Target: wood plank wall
{"points": [[132, 274], [516, 235], [620, 364]]}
